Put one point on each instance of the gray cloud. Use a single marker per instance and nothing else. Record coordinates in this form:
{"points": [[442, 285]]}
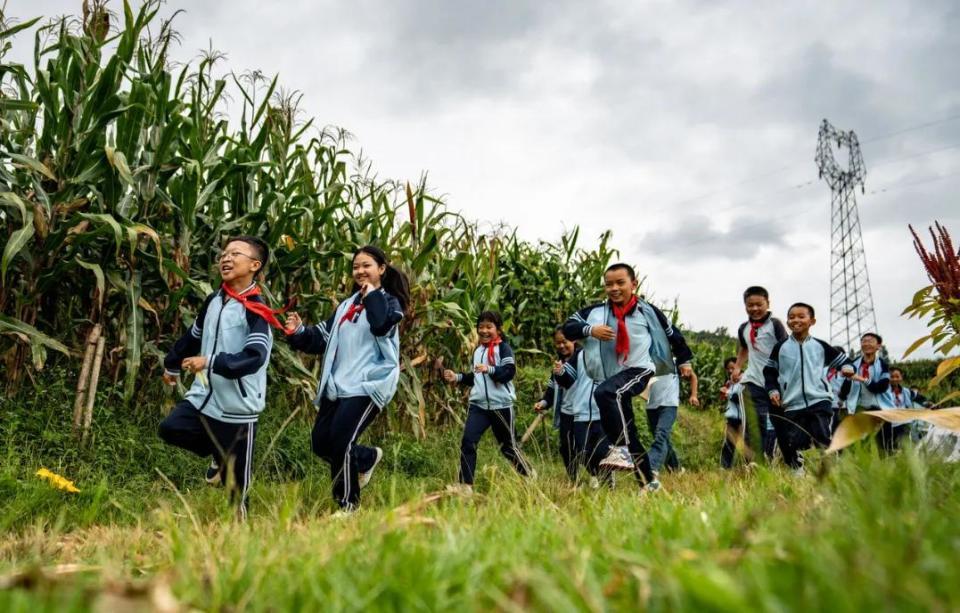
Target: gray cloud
{"points": [[697, 236], [683, 119]]}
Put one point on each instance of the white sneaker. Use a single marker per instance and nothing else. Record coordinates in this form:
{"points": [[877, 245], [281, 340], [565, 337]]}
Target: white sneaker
{"points": [[343, 513], [618, 459], [653, 486], [460, 489], [364, 478]]}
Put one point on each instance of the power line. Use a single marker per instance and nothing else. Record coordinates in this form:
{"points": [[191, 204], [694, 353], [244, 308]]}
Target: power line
{"points": [[771, 220], [912, 129], [799, 162], [805, 184]]}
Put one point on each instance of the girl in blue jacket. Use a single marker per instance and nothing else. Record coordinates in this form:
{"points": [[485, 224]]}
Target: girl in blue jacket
{"points": [[492, 396], [361, 368]]}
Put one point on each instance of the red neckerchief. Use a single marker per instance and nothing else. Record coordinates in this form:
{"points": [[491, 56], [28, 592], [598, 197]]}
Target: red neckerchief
{"points": [[831, 374], [259, 308], [897, 393], [865, 368], [755, 327], [490, 357], [355, 309], [623, 338]]}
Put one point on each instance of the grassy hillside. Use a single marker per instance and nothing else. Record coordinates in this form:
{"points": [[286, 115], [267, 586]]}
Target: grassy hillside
{"points": [[859, 533]]}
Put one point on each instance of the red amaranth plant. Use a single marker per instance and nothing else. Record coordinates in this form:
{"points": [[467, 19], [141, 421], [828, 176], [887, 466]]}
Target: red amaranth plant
{"points": [[943, 268], [939, 303]]}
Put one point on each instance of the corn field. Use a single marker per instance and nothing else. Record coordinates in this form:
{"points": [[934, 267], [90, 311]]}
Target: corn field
{"points": [[121, 177]]}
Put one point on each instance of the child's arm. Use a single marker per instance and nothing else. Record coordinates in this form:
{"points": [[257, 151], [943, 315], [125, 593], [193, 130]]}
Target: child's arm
{"points": [[883, 384], [742, 354], [576, 327], [383, 312], [681, 351], [568, 376], [463, 378], [844, 390], [503, 372], [836, 360], [187, 345], [771, 375], [694, 389], [548, 395], [254, 353], [310, 339]]}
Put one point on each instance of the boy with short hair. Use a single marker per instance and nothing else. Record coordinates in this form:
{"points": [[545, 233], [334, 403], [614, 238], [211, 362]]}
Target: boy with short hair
{"points": [[626, 341], [228, 349], [869, 389], [757, 337], [797, 385]]}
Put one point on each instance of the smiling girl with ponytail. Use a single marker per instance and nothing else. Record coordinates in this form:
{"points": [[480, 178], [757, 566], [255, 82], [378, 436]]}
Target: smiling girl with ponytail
{"points": [[361, 368]]}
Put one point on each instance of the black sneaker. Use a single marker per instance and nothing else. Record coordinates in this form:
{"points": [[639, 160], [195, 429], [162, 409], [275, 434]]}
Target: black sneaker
{"points": [[213, 474]]}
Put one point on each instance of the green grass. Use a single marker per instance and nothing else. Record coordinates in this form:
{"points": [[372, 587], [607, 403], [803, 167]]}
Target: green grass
{"points": [[860, 533]]}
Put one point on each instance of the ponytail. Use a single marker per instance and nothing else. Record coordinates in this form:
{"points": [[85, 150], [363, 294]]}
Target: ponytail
{"points": [[397, 285], [393, 280]]}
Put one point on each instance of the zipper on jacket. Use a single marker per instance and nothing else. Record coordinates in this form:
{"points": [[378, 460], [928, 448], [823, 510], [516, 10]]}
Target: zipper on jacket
{"points": [[486, 392], [803, 378], [213, 353]]}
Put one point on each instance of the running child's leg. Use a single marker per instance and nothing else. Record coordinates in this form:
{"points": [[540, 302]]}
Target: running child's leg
{"points": [[501, 422], [597, 448], [320, 441], [662, 428], [237, 442], [351, 418], [477, 423], [729, 451], [184, 427], [567, 452], [615, 401]]}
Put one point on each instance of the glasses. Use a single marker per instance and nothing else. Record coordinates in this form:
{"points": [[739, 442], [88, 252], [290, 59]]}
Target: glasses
{"points": [[234, 255]]}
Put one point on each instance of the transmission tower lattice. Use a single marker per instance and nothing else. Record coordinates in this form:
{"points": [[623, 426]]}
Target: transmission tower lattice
{"points": [[851, 301]]}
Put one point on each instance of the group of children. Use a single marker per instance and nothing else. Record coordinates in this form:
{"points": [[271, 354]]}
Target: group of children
{"points": [[797, 388], [608, 353]]}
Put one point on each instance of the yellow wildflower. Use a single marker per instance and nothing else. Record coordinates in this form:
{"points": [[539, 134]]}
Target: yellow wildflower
{"points": [[57, 481]]}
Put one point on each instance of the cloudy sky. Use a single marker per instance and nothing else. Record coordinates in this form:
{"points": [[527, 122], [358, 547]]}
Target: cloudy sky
{"points": [[687, 127]]}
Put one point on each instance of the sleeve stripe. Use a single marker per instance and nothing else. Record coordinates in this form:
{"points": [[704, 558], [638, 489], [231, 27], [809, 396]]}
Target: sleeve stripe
{"points": [[195, 332], [257, 335], [322, 328], [257, 343], [506, 361]]}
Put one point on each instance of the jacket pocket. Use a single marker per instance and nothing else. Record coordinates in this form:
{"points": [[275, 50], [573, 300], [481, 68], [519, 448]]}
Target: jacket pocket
{"points": [[243, 390]]}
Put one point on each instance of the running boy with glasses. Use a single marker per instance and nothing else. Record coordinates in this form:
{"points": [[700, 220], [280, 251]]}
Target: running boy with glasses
{"points": [[228, 350]]}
